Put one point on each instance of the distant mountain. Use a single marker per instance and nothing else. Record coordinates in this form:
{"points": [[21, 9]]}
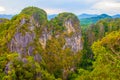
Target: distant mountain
{"points": [[88, 21], [89, 16], [86, 16], [51, 16], [79, 16], [103, 16], [116, 16], [6, 16]]}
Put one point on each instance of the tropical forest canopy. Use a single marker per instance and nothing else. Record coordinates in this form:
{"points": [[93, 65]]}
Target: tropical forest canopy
{"points": [[35, 48]]}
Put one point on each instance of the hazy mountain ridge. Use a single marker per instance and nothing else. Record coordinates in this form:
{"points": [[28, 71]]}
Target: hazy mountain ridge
{"points": [[92, 20], [87, 16], [82, 16], [116, 16]]}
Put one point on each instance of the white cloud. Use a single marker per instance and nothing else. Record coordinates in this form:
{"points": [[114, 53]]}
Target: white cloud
{"points": [[106, 6], [53, 11], [2, 9], [90, 1]]}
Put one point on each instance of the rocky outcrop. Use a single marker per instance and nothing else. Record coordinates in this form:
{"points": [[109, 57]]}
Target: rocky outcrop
{"points": [[22, 39], [33, 30], [27, 34], [44, 37], [32, 38], [25, 40], [69, 26], [75, 42], [20, 43]]}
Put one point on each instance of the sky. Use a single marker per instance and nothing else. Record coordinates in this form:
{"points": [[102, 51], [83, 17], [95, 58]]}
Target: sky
{"points": [[110, 7]]}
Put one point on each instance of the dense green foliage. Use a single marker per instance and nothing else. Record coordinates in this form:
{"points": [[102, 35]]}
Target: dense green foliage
{"points": [[101, 28], [107, 59], [99, 60], [95, 32], [60, 62]]}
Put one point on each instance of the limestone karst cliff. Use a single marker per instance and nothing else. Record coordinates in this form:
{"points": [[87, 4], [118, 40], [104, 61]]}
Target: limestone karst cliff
{"points": [[28, 31], [29, 35], [69, 25], [34, 27]]}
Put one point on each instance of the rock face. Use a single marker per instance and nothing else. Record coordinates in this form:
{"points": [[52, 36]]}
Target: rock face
{"points": [[27, 34], [69, 26], [33, 30], [44, 37], [72, 29], [32, 34], [21, 40], [20, 43], [75, 42]]}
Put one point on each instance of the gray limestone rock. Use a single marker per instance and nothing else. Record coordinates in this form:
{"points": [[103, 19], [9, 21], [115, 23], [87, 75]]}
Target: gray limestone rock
{"points": [[75, 40]]}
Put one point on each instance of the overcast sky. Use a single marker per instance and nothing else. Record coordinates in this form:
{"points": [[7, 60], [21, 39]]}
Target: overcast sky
{"points": [[56, 6]]}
